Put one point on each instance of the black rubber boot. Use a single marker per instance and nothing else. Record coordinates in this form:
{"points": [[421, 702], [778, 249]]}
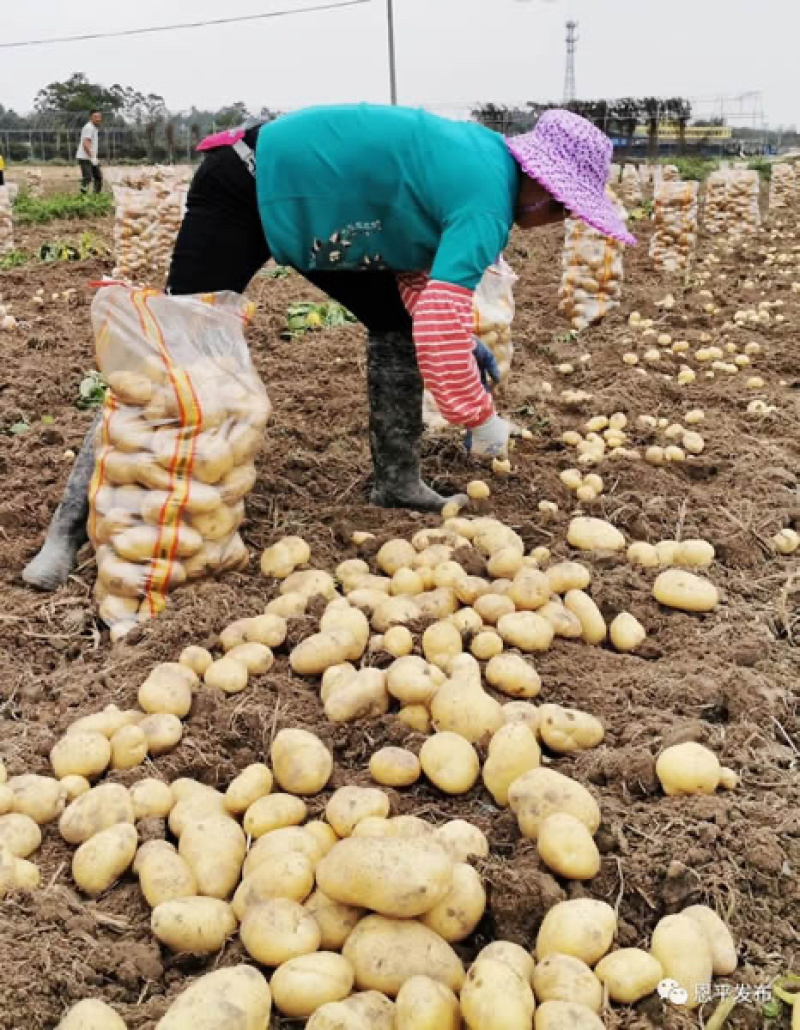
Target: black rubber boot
{"points": [[67, 531], [395, 425]]}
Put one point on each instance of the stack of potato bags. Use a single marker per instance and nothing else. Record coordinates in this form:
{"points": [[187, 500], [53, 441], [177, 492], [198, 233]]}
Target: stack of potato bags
{"points": [[631, 186], [744, 213], [675, 236], [135, 229], [783, 186], [34, 180], [6, 221], [591, 283], [715, 208]]}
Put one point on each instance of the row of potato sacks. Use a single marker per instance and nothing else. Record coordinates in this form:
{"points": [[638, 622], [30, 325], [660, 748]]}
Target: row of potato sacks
{"points": [[591, 282], [732, 202], [181, 426], [6, 221], [631, 180], [493, 307], [146, 224], [784, 185]]}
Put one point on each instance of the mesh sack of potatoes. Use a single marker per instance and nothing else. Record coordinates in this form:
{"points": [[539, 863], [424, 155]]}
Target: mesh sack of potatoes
{"points": [[631, 186], [670, 173], [171, 206], [34, 182], [715, 206], [614, 173], [783, 186], [675, 235], [6, 221], [135, 231], [591, 282], [181, 426], [744, 189], [493, 308]]}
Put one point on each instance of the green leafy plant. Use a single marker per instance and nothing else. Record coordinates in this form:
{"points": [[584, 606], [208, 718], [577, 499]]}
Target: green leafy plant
{"points": [[762, 166], [19, 428], [92, 390], [278, 272], [13, 259], [306, 316], [38, 210], [697, 168], [639, 214], [88, 245]]}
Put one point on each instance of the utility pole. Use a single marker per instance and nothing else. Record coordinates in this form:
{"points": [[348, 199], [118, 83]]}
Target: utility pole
{"points": [[392, 68], [570, 93]]}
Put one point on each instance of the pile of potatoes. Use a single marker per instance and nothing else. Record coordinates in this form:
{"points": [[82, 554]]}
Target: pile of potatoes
{"points": [[6, 221], [783, 186], [175, 451], [135, 228], [674, 239], [591, 281], [171, 209], [631, 186]]}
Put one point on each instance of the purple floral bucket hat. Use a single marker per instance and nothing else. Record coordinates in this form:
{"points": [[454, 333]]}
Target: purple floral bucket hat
{"points": [[571, 158]]}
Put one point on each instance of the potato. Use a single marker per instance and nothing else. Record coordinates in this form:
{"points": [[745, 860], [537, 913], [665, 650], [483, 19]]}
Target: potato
{"points": [[163, 874], [566, 1015], [513, 675], [461, 909], [368, 1010], [286, 839], [541, 792], [303, 984], [323, 834], [19, 834], [528, 631], [349, 572], [349, 805], [106, 722], [398, 641], [252, 783], [489, 608], [681, 946], [73, 785], [567, 575], [626, 632], [462, 840], [237, 997], [128, 747], [590, 534], [593, 624], [214, 848], [151, 798], [98, 809], [410, 679], [698, 553], [417, 717], [436, 604], [277, 930], [92, 1013], [40, 797], [567, 978], [676, 588], [496, 997], [629, 975], [228, 674], [426, 1004], [394, 767], [583, 928], [522, 711], [512, 955], [273, 811], [386, 952], [3, 773], [104, 857], [340, 618], [565, 730], [141, 543], [462, 706], [450, 762], [335, 920], [195, 805], [168, 690], [361, 696], [565, 624], [198, 926], [486, 644], [236, 484], [234, 634], [394, 555], [529, 589], [26, 875], [406, 581], [309, 583], [287, 606], [688, 768], [288, 875], [723, 950], [84, 754], [162, 733], [441, 642], [513, 751], [268, 629], [130, 387], [567, 847], [300, 761], [318, 652], [643, 554]]}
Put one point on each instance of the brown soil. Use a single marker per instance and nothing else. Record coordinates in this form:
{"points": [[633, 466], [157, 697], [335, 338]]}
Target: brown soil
{"points": [[728, 679]]}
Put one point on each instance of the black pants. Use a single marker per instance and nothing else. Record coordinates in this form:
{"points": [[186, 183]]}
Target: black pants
{"points": [[221, 246], [90, 173]]}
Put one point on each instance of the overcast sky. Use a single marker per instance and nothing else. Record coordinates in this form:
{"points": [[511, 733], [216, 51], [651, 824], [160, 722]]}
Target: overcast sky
{"points": [[448, 51]]}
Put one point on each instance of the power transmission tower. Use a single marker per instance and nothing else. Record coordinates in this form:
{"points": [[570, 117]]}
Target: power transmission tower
{"points": [[570, 92]]}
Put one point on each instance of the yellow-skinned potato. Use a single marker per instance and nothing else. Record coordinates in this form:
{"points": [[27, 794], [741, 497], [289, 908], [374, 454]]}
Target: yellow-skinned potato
{"points": [[301, 763], [338, 618], [104, 857], [40, 797], [462, 706], [26, 875], [106, 722], [436, 604], [272, 812], [168, 690], [461, 909], [565, 624], [74, 785], [528, 631], [398, 642], [162, 733], [529, 589], [256, 658], [560, 977], [234, 634], [235, 997], [290, 875], [286, 839], [512, 955], [386, 952], [491, 535], [320, 651], [495, 997], [626, 632], [163, 874], [522, 711], [7, 870], [287, 606], [513, 675], [335, 677], [582, 927], [676, 588], [361, 696], [513, 751], [101, 807], [214, 847], [394, 767], [417, 717], [541, 792], [151, 798], [426, 1004], [450, 762], [91, 1013], [193, 805], [590, 534], [252, 783], [567, 729], [566, 1015], [367, 1010], [235, 486], [629, 975], [306, 983], [568, 575], [349, 805], [395, 554], [336, 921], [218, 523], [128, 747], [268, 629], [324, 835], [141, 543], [688, 768], [406, 581], [349, 572], [567, 847], [227, 674], [486, 644], [197, 926], [683, 950], [593, 624], [130, 388], [462, 840], [490, 608], [395, 611], [441, 642], [19, 834], [81, 754], [505, 563], [643, 554], [410, 679], [277, 930], [723, 949], [698, 553]]}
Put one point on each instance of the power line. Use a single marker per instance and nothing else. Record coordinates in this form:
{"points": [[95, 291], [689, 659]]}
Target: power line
{"points": [[184, 25]]}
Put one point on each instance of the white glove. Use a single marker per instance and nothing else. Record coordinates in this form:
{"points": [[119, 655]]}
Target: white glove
{"points": [[491, 439]]}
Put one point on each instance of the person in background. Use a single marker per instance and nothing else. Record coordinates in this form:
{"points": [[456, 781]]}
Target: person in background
{"points": [[395, 213], [87, 154]]}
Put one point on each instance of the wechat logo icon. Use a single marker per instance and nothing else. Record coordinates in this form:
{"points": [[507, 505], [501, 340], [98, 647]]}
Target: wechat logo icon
{"points": [[671, 990]]}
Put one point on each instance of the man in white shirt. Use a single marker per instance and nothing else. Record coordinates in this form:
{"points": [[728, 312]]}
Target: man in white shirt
{"points": [[87, 154]]}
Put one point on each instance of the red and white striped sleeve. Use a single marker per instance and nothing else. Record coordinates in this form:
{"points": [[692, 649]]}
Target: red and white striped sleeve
{"points": [[443, 325]]}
